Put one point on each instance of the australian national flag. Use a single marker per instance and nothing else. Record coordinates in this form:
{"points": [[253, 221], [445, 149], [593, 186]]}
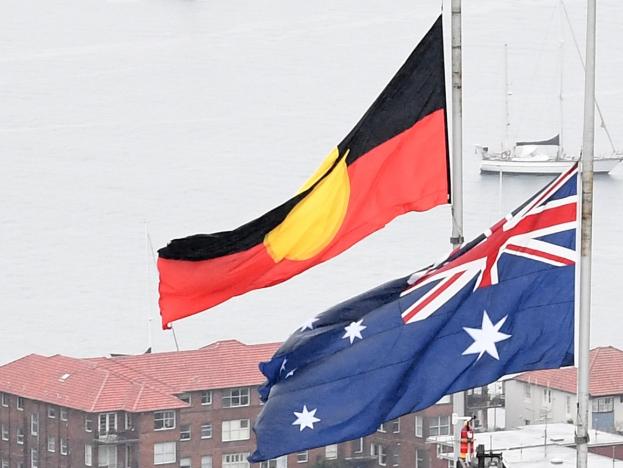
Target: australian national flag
{"points": [[501, 304]]}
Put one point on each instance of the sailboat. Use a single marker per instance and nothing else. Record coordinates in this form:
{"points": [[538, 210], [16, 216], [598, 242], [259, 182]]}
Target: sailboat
{"points": [[541, 156]]}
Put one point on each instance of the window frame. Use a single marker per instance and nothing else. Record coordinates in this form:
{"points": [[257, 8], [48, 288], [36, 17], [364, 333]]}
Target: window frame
{"points": [[88, 455], [242, 463], [52, 445], [88, 423], [231, 400], [166, 416], [205, 427], [419, 426], [34, 458], [63, 447], [34, 424], [173, 453], [331, 452], [185, 432], [51, 412], [299, 459], [4, 399], [5, 432], [186, 397], [204, 458], [206, 401], [63, 414], [108, 427], [188, 460], [230, 431], [20, 403], [20, 435], [436, 429]]}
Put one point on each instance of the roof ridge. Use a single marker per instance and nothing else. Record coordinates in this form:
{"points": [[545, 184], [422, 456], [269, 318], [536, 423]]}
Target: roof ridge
{"points": [[141, 373], [101, 389]]}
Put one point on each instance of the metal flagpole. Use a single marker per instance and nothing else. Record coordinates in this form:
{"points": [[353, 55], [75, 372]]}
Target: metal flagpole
{"points": [[458, 402], [586, 234]]}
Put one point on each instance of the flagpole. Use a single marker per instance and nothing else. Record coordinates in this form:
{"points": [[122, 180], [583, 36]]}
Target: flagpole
{"points": [[458, 399], [588, 144]]}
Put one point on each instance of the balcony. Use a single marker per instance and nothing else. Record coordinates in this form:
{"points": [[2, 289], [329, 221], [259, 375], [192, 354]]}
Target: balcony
{"points": [[484, 400], [116, 437]]}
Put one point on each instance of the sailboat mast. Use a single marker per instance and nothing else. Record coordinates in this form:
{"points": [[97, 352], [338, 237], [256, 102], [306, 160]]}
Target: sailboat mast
{"points": [[560, 99], [588, 144], [507, 128]]}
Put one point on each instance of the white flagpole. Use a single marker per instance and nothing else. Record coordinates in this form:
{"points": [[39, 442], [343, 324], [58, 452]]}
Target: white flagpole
{"points": [[458, 399], [586, 236]]}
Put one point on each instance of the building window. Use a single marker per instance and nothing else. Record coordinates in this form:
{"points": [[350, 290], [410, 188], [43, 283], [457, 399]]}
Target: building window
{"points": [[206, 431], [382, 428], [357, 445], [439, 425], [396, 458], [185, 432], [5, 399], [20, 436], [107, 423], [5, 463], [185, 397], [129, 422], [128, 456], [234, 397], [235, 460], [185, 463], [527, 390], [378, 451], [62, 443], [547, 395], [396, 426], [330, 451], [107, 456], [34, 424], [420, 458], [5, 432], [51, 412], [602, 405], [88, 454], [206, 398], [164, 453], [51, 444], [164, 420], [19, 404], [302, 457], [63, 412], [237, 429], [206, 461], [34, 458], [88, 424], [418, 426]]}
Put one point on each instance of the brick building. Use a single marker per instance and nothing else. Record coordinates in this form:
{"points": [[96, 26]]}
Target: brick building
{"points": [[191, 409]]}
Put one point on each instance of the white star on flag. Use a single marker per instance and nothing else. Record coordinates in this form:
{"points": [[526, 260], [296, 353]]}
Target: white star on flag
{"points": [[291, 373], [305, 418], [309, 325], [354, 331], [283, 365], [486, 337]]}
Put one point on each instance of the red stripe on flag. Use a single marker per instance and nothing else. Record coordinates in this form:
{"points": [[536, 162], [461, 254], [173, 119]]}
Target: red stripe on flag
{"points": [[445, 285], [540, 253]]}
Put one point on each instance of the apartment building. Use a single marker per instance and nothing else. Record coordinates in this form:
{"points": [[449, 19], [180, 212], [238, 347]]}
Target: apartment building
{"points": [[188, 409], [550, 395]]}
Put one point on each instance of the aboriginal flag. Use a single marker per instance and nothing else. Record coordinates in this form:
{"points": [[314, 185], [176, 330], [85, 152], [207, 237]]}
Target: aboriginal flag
{"points": [[395, 160]]}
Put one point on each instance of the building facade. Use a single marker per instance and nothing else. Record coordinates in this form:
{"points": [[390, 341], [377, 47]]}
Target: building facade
{"points": [[188, 409], [550, 395]]}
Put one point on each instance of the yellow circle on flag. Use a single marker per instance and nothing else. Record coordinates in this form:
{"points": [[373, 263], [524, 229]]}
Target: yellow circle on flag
{"points": [[314, 221]]}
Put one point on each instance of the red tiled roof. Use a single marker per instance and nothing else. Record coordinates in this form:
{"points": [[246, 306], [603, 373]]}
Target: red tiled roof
{"points": [[606, 374], [134, 383]]}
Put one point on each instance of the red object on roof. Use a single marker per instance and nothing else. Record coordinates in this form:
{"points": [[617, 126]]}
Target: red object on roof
{"points": [[146, 382], [606, 374]]}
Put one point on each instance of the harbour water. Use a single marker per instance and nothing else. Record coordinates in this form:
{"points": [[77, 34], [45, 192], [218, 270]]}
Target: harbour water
{"points": [[126, 123]]}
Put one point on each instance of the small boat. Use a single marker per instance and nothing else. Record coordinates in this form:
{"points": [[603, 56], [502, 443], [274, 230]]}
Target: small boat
{"points": [[544, 156], [538, 157]]}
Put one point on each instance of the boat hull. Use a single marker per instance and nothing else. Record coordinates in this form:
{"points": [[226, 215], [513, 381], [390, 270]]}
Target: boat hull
{"points": [[601, 165]]}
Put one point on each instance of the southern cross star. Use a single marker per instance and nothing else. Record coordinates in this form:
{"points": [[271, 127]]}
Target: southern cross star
{"points": [[305, 418], [309, 325], [486, 337], [354, 331]]}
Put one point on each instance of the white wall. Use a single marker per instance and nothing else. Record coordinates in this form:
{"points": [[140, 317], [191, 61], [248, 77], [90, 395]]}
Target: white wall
{"points": [[534, 405]]}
